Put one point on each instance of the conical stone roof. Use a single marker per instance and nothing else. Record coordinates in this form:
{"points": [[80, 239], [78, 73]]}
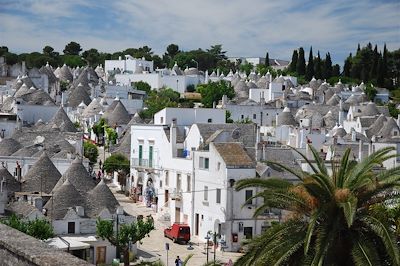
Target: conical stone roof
{"points": [[119, 116], [376, 126], [62, 121], [77, 96], [78, 176], [388, 128], [8, 146], [64, 74], [110, 108], [12, 185], [64, 198], [286, 118], [92, 109], [369, 110], [334, 100], [42, 176], [99, 198]]}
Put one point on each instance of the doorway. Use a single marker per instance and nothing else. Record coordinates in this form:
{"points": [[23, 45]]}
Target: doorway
{"points": [[177, 215], [100, 255], [196, 227]]}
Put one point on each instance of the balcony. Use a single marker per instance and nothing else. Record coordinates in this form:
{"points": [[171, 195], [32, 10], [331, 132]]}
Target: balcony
{"points": [[144, 163]]}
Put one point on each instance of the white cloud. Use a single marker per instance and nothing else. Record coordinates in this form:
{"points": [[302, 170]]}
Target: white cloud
{"points": [[248, 28]]}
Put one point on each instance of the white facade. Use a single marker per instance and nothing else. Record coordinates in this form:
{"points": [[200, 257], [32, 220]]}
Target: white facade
{"points": [[128, 64], [189, 116]]}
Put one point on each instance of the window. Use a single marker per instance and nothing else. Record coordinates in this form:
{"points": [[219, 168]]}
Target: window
{"points": [[71, 227], [242, 116], [206, 193], [254, 116], [218, 195], [218, 166], [188, 183], [161, 120], [249, 194], [395, 133], [166, 178], [160, 183], [150, 156], [203, 163], [248, 232], [209, 120], [140, 154], [178, 182]]}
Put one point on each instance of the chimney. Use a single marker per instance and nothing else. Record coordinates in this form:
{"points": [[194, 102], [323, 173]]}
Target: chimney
{"points": [[360, 150], [262, 98], [353, 134], [172, 137], [80, 211], [217, 72], [276, 120], [23, 67], [263, 152], [224, 100]]}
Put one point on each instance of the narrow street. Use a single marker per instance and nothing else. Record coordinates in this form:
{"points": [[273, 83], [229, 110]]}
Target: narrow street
{"points": [[153, 247]]}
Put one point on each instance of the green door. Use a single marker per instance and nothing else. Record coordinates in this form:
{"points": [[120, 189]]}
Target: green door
{"points": [[151, 156], [140, 154]]}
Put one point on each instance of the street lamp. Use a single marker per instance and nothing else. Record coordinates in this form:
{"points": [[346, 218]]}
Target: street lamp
{"points": [[197, 63]]}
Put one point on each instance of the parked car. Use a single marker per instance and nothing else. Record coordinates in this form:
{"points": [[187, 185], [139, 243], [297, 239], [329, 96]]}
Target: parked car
{"points": [[178, 232]]}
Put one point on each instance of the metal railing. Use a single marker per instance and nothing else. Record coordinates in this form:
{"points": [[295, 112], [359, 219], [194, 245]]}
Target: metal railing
{"points": [[146, 163]]}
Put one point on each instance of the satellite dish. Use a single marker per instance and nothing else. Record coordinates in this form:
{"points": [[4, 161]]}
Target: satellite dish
{"points": [[39, 140], [236, 133]]}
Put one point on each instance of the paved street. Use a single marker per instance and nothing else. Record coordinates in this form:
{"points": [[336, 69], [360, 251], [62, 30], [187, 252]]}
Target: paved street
{"points": [[153, 247]]}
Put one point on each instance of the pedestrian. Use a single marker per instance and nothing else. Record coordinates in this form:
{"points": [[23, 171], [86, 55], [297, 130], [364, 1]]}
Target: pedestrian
{"points": [[178, 261]]}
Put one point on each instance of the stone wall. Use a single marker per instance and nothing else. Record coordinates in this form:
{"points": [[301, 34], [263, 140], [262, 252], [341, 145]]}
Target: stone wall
{"points": [[19, 249]]}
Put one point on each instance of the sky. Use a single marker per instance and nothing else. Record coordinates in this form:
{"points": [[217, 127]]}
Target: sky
{"points": [[247, 28]]}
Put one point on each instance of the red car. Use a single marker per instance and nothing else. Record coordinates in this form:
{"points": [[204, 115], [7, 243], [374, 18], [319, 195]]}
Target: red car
{"points": [[178, 232]]}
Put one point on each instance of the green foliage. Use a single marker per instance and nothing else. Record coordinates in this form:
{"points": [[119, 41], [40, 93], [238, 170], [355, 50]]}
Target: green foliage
{"points": [[246, 120], [111, 135], [38, 228], [246, 67], [143, 86], [394, 112], [72, 48], [262, 69], [301, 63], [73, 60], [116, 162], [98, 128], [293, 63], [64, 85], [213, 92], [90, 151], [310, 66], [228, 116], [158, 100], [267, 60], [370, 91], [338, 215], [127, 233], [92, 57]]}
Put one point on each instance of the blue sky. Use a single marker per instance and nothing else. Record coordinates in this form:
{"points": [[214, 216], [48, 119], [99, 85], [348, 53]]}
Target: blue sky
{"points": [[244, 28]]}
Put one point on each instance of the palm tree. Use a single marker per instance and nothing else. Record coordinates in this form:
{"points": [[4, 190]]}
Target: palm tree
{"points": [[334, 215]]}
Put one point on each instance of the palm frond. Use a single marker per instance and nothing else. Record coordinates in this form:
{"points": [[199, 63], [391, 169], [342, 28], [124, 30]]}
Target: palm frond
{"points": [[364, 254], [385, 234], [299, 175], [349, 209]]}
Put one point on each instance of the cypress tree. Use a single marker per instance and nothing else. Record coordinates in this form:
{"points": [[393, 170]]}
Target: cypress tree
{"points": [[293, 63], [318, 67], [381, 76], [301, 63], [358, 48], [384, 62], [310, 66], [336, 70], [267, 60], [327, 66], [374, 66], [347, 66]]}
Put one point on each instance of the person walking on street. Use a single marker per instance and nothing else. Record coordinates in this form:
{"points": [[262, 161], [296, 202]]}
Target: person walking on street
{"points": [[178, 261]]}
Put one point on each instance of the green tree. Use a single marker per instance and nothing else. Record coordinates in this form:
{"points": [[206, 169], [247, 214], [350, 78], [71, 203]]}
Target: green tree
{"points": [[370, 91], [246, 67], [90, 151], [335, 216], [111, 135], [347, 66], [143, 86], [38, 228], [393, 111], [73, 60], [98, 129], [92, 57], [116, 163], [126, 233], [212, 92], [318, 67], [72, 48], [335, 70], [267, 60], [310, 66], [48, 50], [327, 72], [301, 63], [3, 50], [293, 63], [158, 100]]}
